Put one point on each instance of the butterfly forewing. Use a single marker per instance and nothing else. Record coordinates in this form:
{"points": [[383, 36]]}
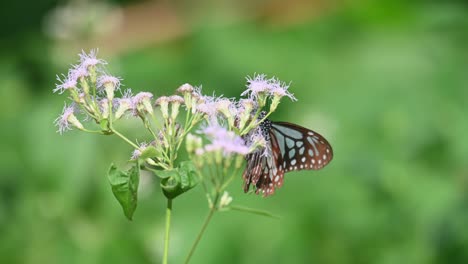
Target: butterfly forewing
{"points": [[301, 148]]}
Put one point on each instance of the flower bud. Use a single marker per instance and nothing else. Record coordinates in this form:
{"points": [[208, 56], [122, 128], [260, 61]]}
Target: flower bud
{"points": [[163, 103], [225, 200], [142, 102], [193, 143], [176, 101], [186, 90], [104, 107], [124, 105]]}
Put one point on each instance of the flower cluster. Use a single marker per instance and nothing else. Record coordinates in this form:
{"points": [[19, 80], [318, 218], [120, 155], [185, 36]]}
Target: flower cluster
{"points": [[219, 132], [226, 129]]}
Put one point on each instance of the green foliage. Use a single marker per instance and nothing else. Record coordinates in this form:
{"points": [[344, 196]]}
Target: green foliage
{"points": [[125, 187], [179, 180]]}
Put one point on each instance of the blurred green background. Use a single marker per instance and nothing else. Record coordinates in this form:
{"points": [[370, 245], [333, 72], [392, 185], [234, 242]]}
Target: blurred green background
{"points": [[385, 81]]}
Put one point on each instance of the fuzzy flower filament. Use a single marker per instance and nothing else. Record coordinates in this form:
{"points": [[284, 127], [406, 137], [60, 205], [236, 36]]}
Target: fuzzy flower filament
{"points": [[67, 119]]}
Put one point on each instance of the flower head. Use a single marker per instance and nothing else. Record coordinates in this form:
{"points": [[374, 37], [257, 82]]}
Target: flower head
{"points": [[259, 85], [124, 104], [141, 102], [90, 59], [207, 106], [175, 101], [163, 102], [109, 84], [185, 88], [225, 141], [67, 119], [79, 72], [66, 83]]}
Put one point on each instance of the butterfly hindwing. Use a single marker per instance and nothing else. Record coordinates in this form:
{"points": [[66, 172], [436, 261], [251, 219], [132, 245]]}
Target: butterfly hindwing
{"points": [[263, 171]]}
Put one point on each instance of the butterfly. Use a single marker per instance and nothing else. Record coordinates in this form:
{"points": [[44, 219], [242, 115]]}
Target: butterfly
{"points": [[290, 147]]}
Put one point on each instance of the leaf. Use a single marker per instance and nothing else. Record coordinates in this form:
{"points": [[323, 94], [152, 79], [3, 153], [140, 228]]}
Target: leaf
{"points": [[188, 175], [125, 187], [148, 152], [180, 180], [253, 211], [164, 174]]}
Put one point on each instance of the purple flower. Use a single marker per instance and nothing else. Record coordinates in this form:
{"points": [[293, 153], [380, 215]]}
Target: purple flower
{"points": [[257, 84], [90, 59], [226, 141], [67, 83], [185, 88], [78, 72], [273, 87], [106, 79], [67, 119], [140, 97], [141, 101]]}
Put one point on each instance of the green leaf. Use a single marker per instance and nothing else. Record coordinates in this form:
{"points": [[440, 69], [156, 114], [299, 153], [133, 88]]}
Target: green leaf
{"points": [[164, 174], [125, 187], [253, 211], [188, 175], [180, 180], [149, 152]]}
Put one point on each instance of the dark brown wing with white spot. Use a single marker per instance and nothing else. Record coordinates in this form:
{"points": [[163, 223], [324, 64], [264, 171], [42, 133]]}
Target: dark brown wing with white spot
{"points": [[264, 170], [301, 148]]}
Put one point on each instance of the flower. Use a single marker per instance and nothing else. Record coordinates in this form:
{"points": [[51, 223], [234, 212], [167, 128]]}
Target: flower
{"points": [[87, 60], [124, 104], [141, 102], [67, 119], [225, 141], [109, 83], [259, 85], [185, 88], [79, 72], [175, 101], [66, 83], [163, 102]]}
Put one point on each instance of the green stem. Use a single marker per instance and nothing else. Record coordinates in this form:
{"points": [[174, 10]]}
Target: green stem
{"points": [[168, 226], [124, 138], [205, 224]]}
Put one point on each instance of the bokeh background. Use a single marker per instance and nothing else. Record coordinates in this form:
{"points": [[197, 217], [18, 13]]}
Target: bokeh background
{"points": [[385, 81]]}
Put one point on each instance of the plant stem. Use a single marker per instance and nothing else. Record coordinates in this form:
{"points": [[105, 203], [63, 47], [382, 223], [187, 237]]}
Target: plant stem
{"points": [[168, 226], [200, 234], [124, 138]]}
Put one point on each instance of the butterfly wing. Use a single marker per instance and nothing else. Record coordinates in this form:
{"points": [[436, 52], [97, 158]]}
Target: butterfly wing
{"points": [[301, 148], [290, 148], [263, 169]]}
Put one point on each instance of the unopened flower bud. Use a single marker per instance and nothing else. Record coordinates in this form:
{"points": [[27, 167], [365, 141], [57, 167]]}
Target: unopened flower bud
{"points": [[163, 103], [193, 143], [176, 101], [225, 200], [104, 107]]}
